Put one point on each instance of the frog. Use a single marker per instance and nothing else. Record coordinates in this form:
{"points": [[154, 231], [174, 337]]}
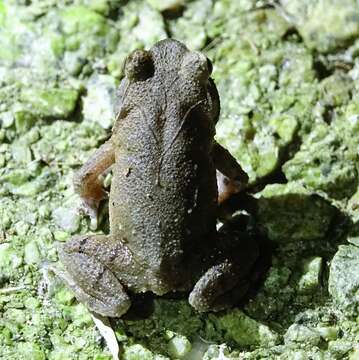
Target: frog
{"points": [[169, 177]]}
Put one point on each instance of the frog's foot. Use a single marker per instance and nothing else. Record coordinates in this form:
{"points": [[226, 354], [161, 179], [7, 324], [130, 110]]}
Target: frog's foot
{"points": [[90, 278], [221, 287]]}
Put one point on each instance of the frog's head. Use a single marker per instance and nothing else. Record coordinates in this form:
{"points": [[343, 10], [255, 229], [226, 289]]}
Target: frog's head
{"points": [[168, 56], [169, 73]]}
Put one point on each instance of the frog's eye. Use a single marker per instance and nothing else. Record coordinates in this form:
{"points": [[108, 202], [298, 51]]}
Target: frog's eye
{"points": [[139, 65], [196, 65]]}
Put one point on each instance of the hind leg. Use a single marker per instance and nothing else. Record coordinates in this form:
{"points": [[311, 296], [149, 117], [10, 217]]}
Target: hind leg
{"points": [[88, 261], [232, 273]]}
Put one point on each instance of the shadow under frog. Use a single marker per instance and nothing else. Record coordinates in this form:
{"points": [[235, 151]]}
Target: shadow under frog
{"points": [[164, 194]]}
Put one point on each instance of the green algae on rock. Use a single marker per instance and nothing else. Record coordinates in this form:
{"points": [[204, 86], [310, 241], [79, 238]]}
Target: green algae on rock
{"points": [[79, 19], [143, 26], [139, 352], [50, 103], [331, 166], [190, 27], [178, 345], [328, 158], [176, 316], [324, 25], [266, 100], [237, 327], [335, 90], [87, 32]]}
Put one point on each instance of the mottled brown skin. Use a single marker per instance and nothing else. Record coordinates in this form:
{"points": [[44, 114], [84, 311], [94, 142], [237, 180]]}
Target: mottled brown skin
{"points": [[163, 200]]}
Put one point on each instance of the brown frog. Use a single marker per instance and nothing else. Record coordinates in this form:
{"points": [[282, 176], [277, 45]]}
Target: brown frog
{"points": [[164, 195]]}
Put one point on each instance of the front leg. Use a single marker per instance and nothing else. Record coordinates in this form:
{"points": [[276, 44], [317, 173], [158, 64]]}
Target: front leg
{"points": [[231, 178], [86, 181]]}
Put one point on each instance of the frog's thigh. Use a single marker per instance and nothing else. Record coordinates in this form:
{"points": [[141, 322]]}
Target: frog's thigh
{"points": [[87, 259]]}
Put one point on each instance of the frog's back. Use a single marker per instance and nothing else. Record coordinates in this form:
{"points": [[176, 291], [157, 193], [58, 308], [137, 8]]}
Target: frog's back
{"points": [[164, 193]]}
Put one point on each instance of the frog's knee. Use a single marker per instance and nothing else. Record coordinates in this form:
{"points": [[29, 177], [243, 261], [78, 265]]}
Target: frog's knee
{"points": [[92, 282]]}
